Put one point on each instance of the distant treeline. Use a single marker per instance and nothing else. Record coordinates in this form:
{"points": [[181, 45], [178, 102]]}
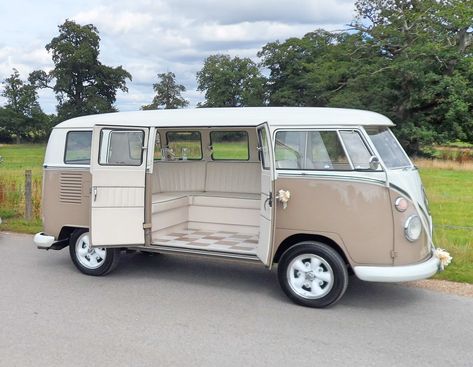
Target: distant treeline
{"points": [[410, 60]]}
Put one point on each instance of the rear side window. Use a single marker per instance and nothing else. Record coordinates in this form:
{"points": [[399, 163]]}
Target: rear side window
{"points": [[229, 145], [184, 145], [78, 147], [121, 147]]}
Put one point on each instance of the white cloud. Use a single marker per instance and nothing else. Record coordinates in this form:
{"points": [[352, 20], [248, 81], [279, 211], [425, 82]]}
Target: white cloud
{"points": [[148, 37], [115, 22]]}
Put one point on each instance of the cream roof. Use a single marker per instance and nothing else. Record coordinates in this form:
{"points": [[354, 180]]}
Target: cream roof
{"points": [[226, 117]]}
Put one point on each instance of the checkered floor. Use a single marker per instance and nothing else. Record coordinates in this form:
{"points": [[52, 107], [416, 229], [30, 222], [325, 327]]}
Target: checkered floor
{"points": [[209, 240]]}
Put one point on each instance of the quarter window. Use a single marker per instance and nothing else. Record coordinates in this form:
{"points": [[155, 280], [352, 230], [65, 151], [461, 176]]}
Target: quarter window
{"points": [[184, 145], [229, 145], [356, 148], [78, 147]]}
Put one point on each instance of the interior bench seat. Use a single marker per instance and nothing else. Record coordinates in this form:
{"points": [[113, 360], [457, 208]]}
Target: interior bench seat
{"points": [[225, 195]]}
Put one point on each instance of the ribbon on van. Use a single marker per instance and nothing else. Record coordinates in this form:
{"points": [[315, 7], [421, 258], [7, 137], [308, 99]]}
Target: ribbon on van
{"points": [[283, 196]]}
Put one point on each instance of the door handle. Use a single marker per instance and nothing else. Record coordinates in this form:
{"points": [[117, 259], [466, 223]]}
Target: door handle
{"points": [[269, 201], [95, 193]]}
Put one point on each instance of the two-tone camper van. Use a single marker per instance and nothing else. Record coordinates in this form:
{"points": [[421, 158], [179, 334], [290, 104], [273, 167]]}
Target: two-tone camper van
{"points": [[320, 192]]}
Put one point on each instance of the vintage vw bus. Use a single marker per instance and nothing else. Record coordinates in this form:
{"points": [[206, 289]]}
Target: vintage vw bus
{"points": [[318, 191]]}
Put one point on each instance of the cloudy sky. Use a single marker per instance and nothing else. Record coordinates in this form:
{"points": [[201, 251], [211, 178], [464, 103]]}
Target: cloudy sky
{"points": [[148, 37]]}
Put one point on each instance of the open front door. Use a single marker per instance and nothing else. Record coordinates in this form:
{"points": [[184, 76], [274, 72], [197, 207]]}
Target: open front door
{"points": [[267, 204], [118, 166]]}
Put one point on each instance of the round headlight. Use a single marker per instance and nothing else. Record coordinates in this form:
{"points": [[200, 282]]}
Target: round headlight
{"points": [[401, 204], [413, 228]]}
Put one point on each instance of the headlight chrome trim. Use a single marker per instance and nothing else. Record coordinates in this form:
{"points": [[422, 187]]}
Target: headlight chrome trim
{"points": [[413, 220]]}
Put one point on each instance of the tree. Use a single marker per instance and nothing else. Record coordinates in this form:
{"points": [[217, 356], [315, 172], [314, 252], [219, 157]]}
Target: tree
{"points": [[411, 60], [22, 117], [308, 71], [424, 65], [229, 82], [83, 85], [168, 93]]}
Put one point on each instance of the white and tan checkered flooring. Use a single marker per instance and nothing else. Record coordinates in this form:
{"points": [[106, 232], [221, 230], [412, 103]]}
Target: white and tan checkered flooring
{"points": [[223, 241]]}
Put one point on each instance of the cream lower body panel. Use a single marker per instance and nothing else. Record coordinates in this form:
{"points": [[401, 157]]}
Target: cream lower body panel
{"points": [[117, 226]]}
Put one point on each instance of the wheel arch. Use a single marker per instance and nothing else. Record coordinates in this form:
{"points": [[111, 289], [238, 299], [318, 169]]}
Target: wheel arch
{"points": [[66, 232], [300, 237]]}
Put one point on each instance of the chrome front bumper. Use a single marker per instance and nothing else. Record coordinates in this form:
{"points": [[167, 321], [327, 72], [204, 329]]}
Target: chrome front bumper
{"points": [[403, 273]]}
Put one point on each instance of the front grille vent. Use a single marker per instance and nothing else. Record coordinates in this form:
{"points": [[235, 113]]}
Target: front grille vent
{"points": [[70, 188]]}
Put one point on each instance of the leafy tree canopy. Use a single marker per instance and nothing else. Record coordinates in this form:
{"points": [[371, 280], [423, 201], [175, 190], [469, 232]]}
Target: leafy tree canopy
{"points": [[168, 93], [231, 82], [409, 59], [83, 85], [22, 118]]}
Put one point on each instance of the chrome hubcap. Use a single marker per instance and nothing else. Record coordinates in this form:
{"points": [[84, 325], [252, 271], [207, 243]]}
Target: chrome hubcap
{"points": [[310, 276], [89, 257]]}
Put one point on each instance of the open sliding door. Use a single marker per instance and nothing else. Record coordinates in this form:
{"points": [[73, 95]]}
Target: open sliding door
{"points": [[265, 148], [118, 166]]}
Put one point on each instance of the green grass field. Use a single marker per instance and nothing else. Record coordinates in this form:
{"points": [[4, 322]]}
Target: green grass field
{"points": [[17, 159], [450, 193]]}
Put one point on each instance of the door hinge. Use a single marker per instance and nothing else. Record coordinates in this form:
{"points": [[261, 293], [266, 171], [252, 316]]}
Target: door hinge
{"points": [[146, 225], [393, 254]]}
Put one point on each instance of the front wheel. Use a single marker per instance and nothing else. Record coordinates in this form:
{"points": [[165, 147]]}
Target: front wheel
{"points": [[91, 260], [312, 274]]}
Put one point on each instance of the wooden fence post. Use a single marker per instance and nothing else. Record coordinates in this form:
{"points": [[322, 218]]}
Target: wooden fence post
{"points": [[28, 196]]}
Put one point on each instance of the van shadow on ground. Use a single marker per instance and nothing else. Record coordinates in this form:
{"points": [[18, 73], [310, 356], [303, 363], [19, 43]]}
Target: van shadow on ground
{"points": [[252, 278]]}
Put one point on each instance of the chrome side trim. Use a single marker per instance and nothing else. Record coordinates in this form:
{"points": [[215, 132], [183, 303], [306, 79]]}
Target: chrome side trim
{"points": [[324, 176]]}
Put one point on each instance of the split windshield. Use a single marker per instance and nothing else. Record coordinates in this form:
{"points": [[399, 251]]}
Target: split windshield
{"points": [[388, 148]]}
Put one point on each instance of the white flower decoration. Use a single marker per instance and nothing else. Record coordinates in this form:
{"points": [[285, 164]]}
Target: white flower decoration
{"points": [[283, 196], [444, 257]]}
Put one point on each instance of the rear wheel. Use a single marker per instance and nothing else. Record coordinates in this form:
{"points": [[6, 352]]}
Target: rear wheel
{"points": [[312, 274], [91, 260]]}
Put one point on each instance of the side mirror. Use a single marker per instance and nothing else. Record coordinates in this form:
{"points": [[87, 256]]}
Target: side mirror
{"points": [[374, 163]]}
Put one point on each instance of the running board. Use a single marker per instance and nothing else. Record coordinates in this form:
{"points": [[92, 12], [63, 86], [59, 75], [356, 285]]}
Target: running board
{"points": [[181, 250]]}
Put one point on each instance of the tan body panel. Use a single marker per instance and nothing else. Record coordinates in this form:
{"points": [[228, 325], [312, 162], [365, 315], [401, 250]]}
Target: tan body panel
{"points": [[356, 215], [66, 199]]}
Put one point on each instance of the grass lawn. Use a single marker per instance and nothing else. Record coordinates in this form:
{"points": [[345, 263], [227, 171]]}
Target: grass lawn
{"points": [[17, 159], [450, 194], [449, 188]]}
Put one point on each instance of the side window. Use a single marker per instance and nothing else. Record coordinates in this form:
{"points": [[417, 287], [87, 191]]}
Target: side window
{"points": [[326, 152], [184, 145], [290, 147], [229, 145], [264, 148], [78, 147], [157, 148], [310, 150], [121, 147], [356, 149]]}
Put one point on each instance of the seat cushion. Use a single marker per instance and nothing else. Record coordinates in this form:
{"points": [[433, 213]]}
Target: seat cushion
{"points": [[225, 201], [168, 201]]}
